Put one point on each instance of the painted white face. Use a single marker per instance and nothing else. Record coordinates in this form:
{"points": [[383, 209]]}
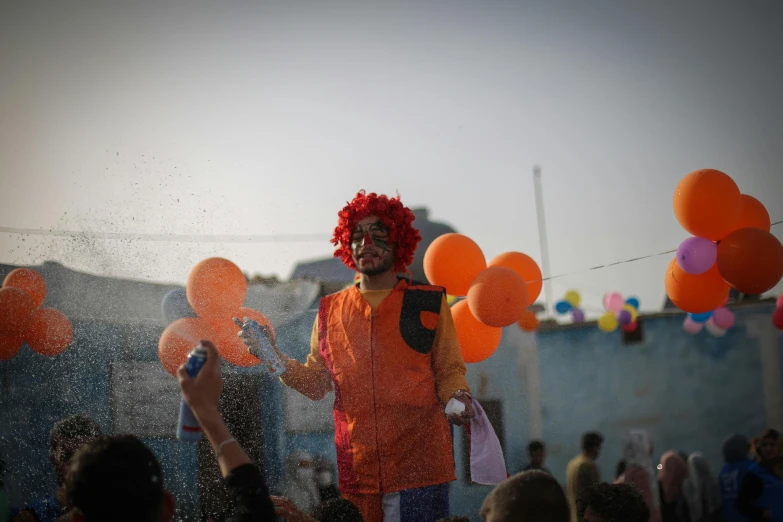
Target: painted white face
{"points": [[371, 252]]}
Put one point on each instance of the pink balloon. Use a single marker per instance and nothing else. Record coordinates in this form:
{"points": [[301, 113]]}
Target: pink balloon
{"points": [[723, 318], [692, 327], [779, 302], [613, 302]]}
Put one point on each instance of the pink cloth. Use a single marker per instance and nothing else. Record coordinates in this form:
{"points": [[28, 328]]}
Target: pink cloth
{"points": [[487, 465]]}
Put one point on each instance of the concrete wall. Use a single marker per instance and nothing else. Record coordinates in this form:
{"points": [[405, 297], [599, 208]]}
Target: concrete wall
{"points": [[688, 391]]}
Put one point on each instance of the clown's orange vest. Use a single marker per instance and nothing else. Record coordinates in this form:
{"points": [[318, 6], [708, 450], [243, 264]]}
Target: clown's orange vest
{"points": [[390, 430]]}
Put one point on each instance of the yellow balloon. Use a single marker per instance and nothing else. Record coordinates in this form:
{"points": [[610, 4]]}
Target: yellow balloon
{"points": [[451, 299], [633, 311], [573, 298], [608, 322]]}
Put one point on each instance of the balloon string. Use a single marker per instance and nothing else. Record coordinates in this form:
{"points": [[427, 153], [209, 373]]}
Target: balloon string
{"points": [[632, 260], [272, 238], [180, 238]]}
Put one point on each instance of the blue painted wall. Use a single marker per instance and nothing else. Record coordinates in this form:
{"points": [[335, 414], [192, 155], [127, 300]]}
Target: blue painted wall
{"points": [[688, 391]]}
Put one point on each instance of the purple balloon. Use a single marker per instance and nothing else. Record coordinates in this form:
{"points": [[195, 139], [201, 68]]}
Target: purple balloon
{"points": [[696, 255], [624, 317], [578, 315]]}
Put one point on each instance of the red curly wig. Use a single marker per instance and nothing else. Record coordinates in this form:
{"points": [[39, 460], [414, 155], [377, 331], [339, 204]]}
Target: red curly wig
{"points": [[393, 215]]}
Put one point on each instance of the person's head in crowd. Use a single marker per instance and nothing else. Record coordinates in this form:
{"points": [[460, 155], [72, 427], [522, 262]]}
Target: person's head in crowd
{"points": [[612, 503], [537, 453], [638, 449], [337, 510], [672, 472], [620, 469], [118, 478], [591, 444], [530, 496], [767, 445], [736, 448], [65, 439]]}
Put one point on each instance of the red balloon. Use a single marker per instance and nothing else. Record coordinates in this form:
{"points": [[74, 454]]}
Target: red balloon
{"points": [[216, 288], [16, 311], [477, 341], [498, 296], [777, 318], [179, 339], [228, 342], [28, 280], [9, 346], [631, 327], [751, 260], [51, 332]]}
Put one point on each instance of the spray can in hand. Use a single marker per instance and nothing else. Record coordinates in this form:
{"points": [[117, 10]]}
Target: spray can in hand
{"points": [[188, 427], [257, 341]]}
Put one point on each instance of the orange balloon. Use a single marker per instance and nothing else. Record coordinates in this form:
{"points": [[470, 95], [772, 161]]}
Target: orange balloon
{"points": [[16, 311], [228, 342], [28, 280], [696, 294], [453, 261], [51, 332], [9, 346], [753, 214], [498, 296], [525, 266], [477, 341], [179, 339], [751, 260], [707, 203], [216, 288], [528, 322]]}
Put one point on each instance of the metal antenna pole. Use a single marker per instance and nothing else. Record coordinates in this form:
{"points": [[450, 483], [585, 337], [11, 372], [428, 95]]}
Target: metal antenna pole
{"points": [[543, 239]]}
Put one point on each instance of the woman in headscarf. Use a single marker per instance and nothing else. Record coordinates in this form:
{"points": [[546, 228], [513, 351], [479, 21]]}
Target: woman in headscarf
{"points": [[639, 472], [736, 454], [761, 491], [701, 491], [672, 475]]}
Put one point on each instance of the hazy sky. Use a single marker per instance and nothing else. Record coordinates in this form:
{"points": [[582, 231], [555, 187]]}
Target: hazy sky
{"points": [[254, 118]]}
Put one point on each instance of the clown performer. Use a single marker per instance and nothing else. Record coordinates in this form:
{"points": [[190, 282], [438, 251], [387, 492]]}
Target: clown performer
{"points": [[388, 348]]}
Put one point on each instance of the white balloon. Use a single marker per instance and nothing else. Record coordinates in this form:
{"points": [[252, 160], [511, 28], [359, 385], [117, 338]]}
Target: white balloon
{"points": [[714, 330]]}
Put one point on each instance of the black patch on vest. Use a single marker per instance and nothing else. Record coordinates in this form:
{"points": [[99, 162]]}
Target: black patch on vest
{"points": [[414, 302]]}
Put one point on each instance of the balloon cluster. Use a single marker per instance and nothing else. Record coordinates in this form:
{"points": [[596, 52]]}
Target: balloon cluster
{"points": [[22, 320], [498, 293], [215, 291], [619, 313], [777, 317], [731, 245], [570, 303], [716, 322]]}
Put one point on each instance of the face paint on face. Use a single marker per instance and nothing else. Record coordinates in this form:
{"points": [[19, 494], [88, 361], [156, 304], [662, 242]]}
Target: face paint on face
{"points": [[371, 251]]}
